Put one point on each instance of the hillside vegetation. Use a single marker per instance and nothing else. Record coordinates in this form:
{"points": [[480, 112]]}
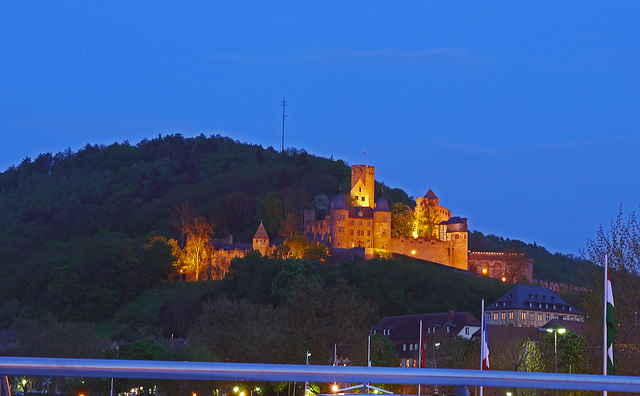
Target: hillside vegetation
{"points": [[75, 226]]}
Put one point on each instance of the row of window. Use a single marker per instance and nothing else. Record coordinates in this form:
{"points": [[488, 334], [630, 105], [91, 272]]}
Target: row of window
{"points": [[341, 217], [360, 232], [533, 316]]}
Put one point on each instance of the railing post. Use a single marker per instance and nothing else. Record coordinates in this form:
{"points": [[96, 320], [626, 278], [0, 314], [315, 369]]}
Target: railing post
{"points": [[4, 386]]}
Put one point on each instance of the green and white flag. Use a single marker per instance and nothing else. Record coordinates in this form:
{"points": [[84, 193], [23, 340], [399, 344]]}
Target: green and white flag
{"points": [[612, 327]]}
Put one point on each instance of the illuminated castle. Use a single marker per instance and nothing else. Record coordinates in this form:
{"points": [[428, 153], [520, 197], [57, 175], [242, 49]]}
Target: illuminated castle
{"points": [[362, 227]]}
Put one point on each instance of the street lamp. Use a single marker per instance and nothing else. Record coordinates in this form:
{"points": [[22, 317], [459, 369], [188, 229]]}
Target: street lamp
{"points": [[555, 332]]}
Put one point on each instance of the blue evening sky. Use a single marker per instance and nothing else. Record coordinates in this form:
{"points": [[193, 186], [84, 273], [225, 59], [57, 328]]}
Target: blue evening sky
{"points": [[521, 116]]}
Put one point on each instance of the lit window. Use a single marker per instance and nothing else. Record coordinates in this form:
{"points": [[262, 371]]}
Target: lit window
{"points": [[539, 317], [503, 315], [532, 316], [523, 315], [495, 316], [510, 315]]}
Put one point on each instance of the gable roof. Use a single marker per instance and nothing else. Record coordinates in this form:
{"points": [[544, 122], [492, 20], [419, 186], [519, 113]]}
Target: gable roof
{"points": [[532, 298], [261, 233], [408, 326]]}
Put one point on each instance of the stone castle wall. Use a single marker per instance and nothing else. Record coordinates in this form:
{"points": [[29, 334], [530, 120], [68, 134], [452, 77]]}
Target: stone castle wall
{"points": [[501, 265], [435, 250]]}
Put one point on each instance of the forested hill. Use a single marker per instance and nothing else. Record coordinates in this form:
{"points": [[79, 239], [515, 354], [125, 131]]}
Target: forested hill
{"points": [[556, 267], [73, 225]]}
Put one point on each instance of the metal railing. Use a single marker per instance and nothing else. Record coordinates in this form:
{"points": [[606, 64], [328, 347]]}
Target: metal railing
{"points": [[99, 368]]}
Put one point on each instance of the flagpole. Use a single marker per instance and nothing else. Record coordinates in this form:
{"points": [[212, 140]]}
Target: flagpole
{"points": [[369, 352], [604, 321], [420, 353], [481, 338]]}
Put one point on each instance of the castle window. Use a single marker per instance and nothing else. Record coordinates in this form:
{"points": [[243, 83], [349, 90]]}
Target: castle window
{"points": [[368, 233], [359, 189], [368, 223], [350, 232], [360, 222], [384, 218], [362, 198], [351, 222], [360, 215], [356, 197]]}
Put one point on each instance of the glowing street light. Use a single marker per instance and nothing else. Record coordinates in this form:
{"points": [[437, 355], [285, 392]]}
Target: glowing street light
{"points": [[555, 332], [235, 389], [334, 388]]}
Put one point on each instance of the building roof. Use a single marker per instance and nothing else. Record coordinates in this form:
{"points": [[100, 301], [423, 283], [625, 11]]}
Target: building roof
{"points": [[408, 326], [532, 298], [564, 324], [430, 195], [261, 233], [354, 211], [455, 220], [339, 202], [382, 205]]}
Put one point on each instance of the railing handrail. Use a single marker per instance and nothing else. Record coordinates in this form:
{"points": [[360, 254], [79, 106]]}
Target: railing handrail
{"points": [[103, 368]]}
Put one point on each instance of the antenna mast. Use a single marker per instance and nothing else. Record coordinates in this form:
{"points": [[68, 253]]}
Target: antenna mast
{"points": [[284, 104]]}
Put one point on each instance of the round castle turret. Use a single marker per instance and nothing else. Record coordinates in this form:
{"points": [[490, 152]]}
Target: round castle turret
{"points": [[381, 224], [339, 214]]}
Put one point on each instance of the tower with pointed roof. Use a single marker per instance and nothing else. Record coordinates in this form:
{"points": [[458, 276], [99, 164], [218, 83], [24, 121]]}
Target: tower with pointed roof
{"points": [[261, 240]]}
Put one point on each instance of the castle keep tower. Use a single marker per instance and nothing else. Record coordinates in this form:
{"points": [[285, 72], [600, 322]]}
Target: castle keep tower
{"points": [[362, 185]]}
